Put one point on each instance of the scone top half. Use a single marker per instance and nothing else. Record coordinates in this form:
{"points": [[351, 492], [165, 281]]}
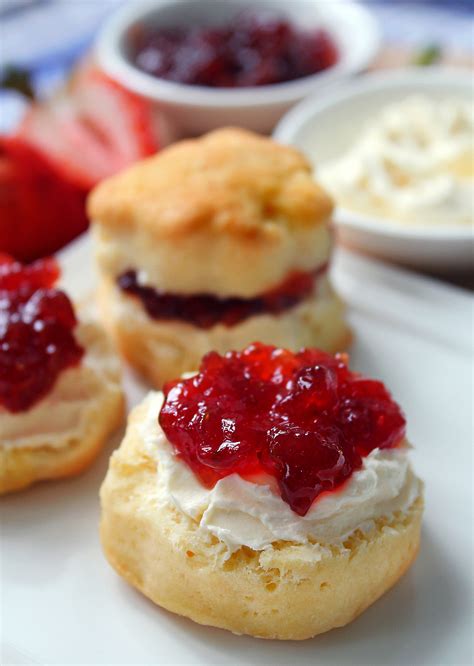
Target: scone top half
{"points": [[231, 214]]}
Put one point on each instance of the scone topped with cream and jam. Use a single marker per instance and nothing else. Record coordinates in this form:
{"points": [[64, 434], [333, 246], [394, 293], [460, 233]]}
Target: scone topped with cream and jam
{"points": [[60, 393], [269, 494], [211, 244]]}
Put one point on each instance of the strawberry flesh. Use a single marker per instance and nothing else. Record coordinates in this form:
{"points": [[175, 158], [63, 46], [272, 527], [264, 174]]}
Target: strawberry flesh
{"points": [[62, 148]]}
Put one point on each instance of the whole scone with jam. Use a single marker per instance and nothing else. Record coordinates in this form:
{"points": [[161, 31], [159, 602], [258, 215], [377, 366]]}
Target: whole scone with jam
{"points": [[211, 244], [269, 494]]}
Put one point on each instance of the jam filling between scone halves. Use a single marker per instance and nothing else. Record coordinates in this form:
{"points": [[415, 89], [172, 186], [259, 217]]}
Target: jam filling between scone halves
{"points": [[304, 418], [205, 310], [36, 332]]}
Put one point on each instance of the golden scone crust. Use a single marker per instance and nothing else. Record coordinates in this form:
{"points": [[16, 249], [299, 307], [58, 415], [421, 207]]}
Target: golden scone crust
{"points": [[229, 180], [230, 213], [164, 350], [63, 433], [288, 591]]}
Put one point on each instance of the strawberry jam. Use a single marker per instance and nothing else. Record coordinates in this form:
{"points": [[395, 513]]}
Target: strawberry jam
{"points": [[303, 418], [36, 332], [204, 310], [255, 48]]}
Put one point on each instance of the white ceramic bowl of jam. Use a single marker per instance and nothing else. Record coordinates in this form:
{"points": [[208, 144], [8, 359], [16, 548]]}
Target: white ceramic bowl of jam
{"points": [[193, 109], [327, 128]]}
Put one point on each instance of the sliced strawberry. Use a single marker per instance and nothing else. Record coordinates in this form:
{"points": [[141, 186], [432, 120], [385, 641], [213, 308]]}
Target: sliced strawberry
{"points": [[88, 131], [140, 135], [48, 128], [5, 260], [40, 209], [91, 129]]}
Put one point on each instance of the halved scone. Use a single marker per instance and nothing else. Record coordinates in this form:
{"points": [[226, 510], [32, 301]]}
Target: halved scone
{"points": [[55, 414], [211, 526]]}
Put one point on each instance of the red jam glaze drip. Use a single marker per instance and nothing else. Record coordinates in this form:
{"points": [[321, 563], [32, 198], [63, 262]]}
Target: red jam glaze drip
{"points": [[36, 332], [205, 311], [304, 418], [255, 48]]}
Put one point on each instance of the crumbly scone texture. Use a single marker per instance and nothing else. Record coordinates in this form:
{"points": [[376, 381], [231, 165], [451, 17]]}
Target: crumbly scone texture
{"points": [[288, 591], [230, 214], [164, 350], [229, 180], [63, 433]]}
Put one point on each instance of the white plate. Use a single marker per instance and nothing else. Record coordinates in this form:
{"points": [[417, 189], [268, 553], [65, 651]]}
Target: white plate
{"points": [[61, 602], [324, 126]]}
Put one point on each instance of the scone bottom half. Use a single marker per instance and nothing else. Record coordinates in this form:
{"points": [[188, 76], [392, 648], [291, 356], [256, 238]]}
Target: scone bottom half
{"points": [[60, 389], [211, 244], [242, 518]]}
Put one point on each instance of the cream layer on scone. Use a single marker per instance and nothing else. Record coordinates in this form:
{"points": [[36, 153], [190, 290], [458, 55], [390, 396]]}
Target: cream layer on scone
{"points": [[63, 415], [241, 512]]}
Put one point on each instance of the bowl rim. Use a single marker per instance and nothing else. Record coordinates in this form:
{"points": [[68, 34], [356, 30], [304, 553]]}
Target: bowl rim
{"points": [[382, 226], [431, 76], [309, 108], [118, 67]]}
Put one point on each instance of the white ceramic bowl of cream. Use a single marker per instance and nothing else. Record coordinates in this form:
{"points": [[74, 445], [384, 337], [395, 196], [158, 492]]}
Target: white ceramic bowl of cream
{"points": [[326, 128], [190, 109]]}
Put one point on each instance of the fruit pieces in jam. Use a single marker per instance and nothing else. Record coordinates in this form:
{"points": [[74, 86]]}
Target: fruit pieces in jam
{"points": [[255, 48], [205, 311], [303, 418], [36, 332]]}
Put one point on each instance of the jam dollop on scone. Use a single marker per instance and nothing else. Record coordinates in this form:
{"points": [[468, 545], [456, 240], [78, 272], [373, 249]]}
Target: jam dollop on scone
{"points": [[269, 494], [60, 390], [210, 245]]}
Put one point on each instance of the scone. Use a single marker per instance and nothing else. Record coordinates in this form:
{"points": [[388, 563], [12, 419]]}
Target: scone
{"points": [[60, 393], [270, 494], [211, 245]]}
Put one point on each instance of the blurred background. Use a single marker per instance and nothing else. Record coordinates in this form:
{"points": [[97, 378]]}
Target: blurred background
{"points": [[65, 123], [48, 36]]}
